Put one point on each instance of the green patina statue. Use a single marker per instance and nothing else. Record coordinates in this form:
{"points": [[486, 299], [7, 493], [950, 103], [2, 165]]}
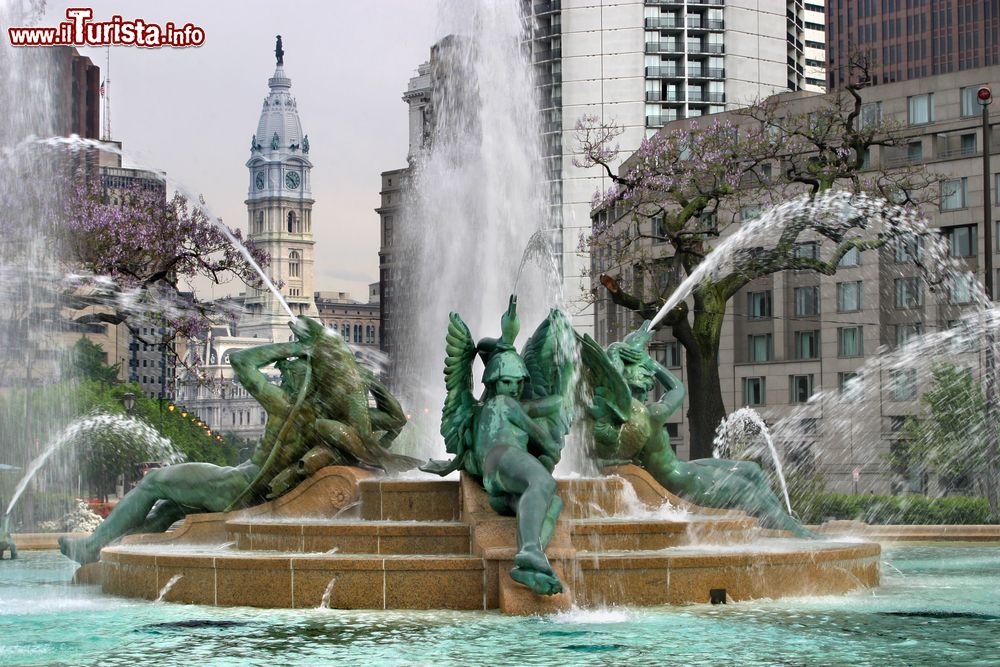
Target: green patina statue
{"points": [[628, 430], [511, 437], [6, 539], [319, 415]]}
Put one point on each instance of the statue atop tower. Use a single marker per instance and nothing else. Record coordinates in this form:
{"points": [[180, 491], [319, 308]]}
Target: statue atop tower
{"points": [[279, 53]]}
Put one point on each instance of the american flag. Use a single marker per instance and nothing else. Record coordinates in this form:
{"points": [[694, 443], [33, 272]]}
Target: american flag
{"points": [[102, 89]]}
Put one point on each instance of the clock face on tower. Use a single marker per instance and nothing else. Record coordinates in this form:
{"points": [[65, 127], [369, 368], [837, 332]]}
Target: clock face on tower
{"points": [[259, 180], [292, 180]]}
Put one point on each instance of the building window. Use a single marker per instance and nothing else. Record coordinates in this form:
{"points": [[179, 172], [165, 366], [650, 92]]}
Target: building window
{"points": [[808, 250], [801, 388], [961, 240], [850, 258], [807, 344], [909, 248], [920, 108], [961, 288], [915, 152], [672, 355], [871, 114], [906, 333], [291, 222], [849, 296], [909, 293], [759, 305], [849, 385], [953, 194], [904, 384], [970, 103], [850, 342], [806, 301], [748, 213], [759, 347], [754, 391], [293, 264]]}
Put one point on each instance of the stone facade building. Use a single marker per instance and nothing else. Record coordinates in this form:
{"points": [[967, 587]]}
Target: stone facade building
{"points": [[909, 39], [789, 335]]}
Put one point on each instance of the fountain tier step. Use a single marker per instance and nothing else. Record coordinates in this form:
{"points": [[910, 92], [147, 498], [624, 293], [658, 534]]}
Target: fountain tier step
{"points": [[352, 537], [623, 534], [440, 500], [438, 544]]}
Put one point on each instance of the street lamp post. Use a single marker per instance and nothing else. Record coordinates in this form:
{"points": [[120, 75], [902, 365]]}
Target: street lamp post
{"points": [[128, 400], [985, 97]]}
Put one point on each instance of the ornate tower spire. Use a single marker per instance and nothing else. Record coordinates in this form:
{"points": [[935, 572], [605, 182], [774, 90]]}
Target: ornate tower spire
{"points": [[279, 208]]}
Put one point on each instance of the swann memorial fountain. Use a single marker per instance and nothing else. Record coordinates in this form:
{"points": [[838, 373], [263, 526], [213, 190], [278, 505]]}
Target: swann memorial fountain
{"points": [[505, 535]]}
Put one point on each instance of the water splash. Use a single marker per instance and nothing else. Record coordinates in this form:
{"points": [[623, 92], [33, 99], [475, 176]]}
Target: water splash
{"points": [[103, 424], [324, 602], [474, 202], [168, 586], [738, 432]]}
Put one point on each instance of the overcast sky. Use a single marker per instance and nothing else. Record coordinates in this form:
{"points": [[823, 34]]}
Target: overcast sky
{"points": [[191, 112]]}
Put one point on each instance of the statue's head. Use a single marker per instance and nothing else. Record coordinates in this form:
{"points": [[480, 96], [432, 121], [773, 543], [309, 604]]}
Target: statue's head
{"points": [[506, 374], [293, 374], [306, 329], [631, 359]]}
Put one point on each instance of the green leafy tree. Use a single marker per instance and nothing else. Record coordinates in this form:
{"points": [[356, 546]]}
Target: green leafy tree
{"points": [[87, 361], [951, 439]]}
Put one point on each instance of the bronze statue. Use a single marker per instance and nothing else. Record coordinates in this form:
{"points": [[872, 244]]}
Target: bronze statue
{"points": [[320, 413], [279, 53], [628, 430], [511, 437]]}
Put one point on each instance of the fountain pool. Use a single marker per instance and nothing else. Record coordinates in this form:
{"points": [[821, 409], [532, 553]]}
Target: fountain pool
{"points": [[937, 605]]}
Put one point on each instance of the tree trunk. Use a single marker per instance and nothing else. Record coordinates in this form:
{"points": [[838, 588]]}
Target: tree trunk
{"points": [[706, 408]]}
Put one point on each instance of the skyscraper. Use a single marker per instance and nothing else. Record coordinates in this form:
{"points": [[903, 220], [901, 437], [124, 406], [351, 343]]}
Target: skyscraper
{"points": [[642, 64], [910, 39]]}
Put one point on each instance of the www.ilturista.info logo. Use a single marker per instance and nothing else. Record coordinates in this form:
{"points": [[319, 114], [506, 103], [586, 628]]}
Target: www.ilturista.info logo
{"points": [[79, 30]]}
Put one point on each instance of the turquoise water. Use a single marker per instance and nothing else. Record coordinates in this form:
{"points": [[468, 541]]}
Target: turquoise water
{"points": [[938, 605]]}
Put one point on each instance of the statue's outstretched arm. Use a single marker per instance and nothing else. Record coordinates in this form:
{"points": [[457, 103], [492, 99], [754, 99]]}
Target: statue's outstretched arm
{"points": [[247, 364], [673, 398]]}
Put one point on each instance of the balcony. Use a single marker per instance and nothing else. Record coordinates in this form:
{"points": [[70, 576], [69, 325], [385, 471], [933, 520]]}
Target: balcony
{"points": [[548, 54], [664, 73], [549, 6], [701, 96], [707, 72], [661, 119], [717, 3], [664, 96], [664, 47], [706, 48], [705, 24], [661, 22], [548, 79], [548, 30], [554, 126]]}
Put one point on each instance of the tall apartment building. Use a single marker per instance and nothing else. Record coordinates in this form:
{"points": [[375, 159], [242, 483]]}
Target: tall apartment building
{"points": [[909, 39], [643, 64], [792, 334]]}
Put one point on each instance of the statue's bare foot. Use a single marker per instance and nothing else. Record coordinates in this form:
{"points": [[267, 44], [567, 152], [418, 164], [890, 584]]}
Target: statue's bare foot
{"points": [[79, 549], [533, 570], [540, 582]]}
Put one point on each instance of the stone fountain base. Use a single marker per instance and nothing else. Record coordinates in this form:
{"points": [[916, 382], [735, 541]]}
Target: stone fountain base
{"points": [[346, 539]]}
